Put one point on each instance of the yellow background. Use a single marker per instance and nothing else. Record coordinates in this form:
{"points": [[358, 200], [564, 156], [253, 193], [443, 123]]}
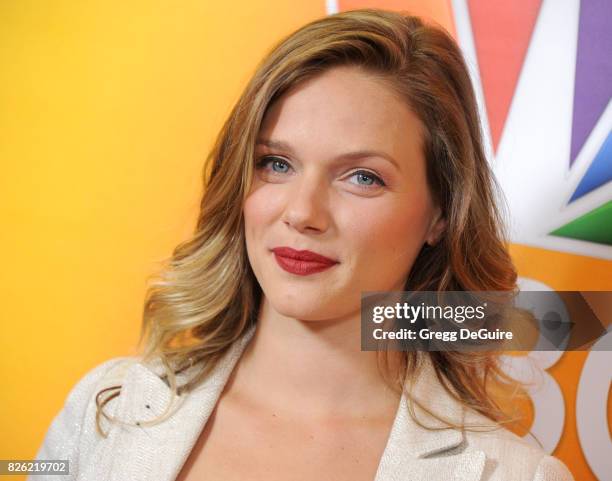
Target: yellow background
{"points": [[108, 109]]}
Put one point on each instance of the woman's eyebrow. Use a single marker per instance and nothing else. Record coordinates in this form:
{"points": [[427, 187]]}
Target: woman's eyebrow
{"points": [[358, 154]]}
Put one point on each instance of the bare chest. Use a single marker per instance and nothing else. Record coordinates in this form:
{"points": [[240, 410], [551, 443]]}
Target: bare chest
{"points": [[240, 445]]}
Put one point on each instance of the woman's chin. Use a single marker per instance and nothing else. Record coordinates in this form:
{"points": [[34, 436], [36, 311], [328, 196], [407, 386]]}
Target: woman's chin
{"points": [[302, 309], [306, 307]]}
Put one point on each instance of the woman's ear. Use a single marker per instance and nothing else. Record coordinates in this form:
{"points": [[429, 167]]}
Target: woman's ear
{"points": [[436, 228]]}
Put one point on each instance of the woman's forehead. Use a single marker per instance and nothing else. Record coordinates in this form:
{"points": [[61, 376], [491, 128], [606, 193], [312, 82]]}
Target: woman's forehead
{"points": [[349, 92], [343, 110]]}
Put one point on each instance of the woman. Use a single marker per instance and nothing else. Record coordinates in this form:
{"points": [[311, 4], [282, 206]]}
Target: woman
{"points": [[352, 162]]}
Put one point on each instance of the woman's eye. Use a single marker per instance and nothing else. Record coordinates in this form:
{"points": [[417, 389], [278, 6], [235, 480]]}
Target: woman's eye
{"points": [[279, 165], [367, 179]]}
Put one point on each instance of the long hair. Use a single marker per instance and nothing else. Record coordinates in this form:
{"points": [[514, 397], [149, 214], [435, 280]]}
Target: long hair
{"points": [[207, 296]]}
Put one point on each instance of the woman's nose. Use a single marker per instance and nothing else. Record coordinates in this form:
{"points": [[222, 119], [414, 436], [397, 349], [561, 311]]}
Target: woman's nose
{"points": [[306, 207]]}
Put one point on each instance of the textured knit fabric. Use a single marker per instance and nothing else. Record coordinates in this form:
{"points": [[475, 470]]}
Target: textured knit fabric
{"points": [[136, 452]]}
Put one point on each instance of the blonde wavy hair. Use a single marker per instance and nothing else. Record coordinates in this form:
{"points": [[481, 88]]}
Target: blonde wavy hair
{"points": [[207, 296]]}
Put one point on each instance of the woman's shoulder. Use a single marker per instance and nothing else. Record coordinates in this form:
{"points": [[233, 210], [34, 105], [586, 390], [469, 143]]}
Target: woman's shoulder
{"points": [[511, 456], [103, 374], [65, 433]]}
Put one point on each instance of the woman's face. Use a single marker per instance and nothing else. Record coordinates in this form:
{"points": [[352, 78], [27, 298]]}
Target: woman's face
{"points": [[340, 172]]}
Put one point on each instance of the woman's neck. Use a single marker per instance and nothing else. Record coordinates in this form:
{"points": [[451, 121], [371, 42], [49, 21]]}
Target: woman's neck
{"points": [[312, 369]]}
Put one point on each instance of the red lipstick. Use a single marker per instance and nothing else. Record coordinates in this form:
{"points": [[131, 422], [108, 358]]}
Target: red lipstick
{"points": [[302, 263]]}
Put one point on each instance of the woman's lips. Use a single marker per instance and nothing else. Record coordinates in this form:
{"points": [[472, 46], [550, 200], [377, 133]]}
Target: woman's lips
{"points": [[302, 263]]}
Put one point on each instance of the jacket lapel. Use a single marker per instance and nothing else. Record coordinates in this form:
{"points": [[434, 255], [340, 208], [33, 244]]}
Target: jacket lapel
{"points": [[418, 454], [158, 452]]}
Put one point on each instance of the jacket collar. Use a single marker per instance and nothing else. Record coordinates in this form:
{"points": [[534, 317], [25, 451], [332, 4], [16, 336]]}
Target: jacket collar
{"points": [[141, 452]]}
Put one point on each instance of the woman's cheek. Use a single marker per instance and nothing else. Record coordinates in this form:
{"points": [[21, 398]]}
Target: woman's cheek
{"points": [[392, 234], [382, 224], [262, 205]]}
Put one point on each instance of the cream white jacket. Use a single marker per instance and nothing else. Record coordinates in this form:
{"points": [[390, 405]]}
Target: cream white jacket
{"points": [[157, 453]]}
